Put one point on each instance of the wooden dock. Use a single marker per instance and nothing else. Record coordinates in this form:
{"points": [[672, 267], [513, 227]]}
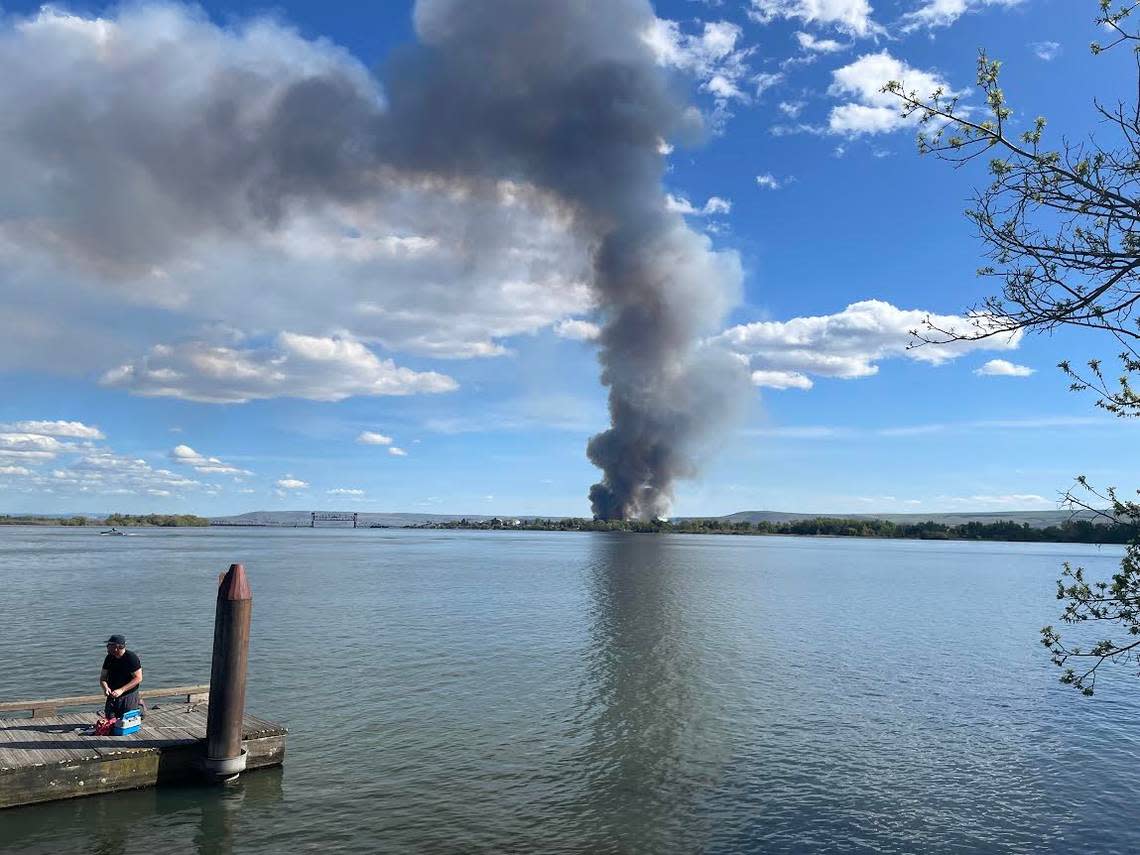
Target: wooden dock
{"points": [[49, 756]]}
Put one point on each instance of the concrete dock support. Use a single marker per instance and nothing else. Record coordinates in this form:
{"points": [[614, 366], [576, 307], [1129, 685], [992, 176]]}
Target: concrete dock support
{"points": [[224, 759]]}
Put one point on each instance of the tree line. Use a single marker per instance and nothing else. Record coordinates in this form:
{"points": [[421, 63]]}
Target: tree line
{"points": [[164, 520], [1070, 531]]}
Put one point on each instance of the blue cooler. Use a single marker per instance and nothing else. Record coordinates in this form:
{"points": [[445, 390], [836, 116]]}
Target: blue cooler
{"points": [[129, 723]]}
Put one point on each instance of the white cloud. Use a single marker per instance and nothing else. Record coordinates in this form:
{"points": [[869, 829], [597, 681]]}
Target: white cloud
{"points": [[29, 442], [85, 469], [848, 16], [291, 483], [77, 430], [1007, 501], [711, 56], [370, 438], [1003, 368], [849, 344], [397, 452], [102, 471], [717, 205], [811, 44], [765, 80], [345, 491], [26, 455], [791, 109], [30, 446], [781, 380], [872, 111], [768, 181], [799, 128], [1046, 51], [943, 13], [575, 328], [295, 366], [187, 456], [681, 205]]}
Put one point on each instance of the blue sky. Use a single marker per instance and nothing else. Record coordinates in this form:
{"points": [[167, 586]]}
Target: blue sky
{"points": [[285, 367]]}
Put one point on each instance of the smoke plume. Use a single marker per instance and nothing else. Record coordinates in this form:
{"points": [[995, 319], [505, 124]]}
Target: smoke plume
{"points": [[125, 141], [568, 98]]}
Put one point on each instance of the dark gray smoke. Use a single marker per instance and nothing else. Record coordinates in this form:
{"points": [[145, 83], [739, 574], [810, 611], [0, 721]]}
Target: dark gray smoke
{"points": [[566, 96], [198, 134]]}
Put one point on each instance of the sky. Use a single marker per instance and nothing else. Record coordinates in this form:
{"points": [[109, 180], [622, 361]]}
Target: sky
{"points": [[186, 333]]}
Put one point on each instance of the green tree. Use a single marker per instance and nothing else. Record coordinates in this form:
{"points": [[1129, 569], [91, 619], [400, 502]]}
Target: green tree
{"points": [[1060, 225]]}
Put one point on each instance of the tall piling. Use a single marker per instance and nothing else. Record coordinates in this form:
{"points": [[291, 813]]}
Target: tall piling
{"points": [[224, 759]]}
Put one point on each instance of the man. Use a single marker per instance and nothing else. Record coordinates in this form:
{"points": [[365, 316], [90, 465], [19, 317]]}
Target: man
{"points": [[120, 678]]}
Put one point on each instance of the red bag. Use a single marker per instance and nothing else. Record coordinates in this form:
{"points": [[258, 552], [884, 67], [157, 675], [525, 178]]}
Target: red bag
{"points": [[103, 726]]}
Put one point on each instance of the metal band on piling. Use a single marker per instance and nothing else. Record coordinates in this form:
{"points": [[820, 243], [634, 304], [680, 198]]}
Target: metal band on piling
{"points": [[225, 758]]}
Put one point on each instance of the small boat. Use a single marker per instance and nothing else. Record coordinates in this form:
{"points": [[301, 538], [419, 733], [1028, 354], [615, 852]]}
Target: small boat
{"points": [[114, 530]]}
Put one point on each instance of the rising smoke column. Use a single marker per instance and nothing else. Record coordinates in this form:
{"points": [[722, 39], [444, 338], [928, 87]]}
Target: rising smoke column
{"points": [[566, 97]]}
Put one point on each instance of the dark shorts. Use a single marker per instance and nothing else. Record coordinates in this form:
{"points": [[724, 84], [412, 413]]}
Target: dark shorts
{"points": [[120, 706]]}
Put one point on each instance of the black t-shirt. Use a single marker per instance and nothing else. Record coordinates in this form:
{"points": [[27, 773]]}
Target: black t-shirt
{"points": [[119, 670]]}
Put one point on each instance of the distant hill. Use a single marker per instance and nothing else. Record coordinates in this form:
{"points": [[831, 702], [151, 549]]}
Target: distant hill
{"points": [[1035, 519]]}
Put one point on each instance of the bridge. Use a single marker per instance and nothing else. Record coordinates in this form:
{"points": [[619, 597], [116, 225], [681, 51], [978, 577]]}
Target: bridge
{"points": [[331, 516]]}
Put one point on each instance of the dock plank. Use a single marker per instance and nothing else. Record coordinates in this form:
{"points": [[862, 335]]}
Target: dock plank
{"points": [[51, 758]]}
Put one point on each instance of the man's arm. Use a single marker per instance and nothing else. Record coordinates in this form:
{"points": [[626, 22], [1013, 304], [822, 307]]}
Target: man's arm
{"points": [[136, 681], [103, 681]]}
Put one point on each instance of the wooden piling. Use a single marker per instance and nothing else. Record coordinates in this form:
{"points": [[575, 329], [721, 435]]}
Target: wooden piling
{"points": [[224, 759]]}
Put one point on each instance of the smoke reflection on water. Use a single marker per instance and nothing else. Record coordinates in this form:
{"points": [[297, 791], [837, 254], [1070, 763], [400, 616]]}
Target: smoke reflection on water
{"points": [[639, 702]]}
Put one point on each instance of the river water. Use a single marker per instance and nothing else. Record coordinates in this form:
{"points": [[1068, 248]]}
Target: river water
{"points": [[498, 692]]}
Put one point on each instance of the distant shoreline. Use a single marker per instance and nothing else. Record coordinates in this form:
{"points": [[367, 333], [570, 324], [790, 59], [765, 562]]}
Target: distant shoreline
{"points": [[1073, 531], [1002, 531]]}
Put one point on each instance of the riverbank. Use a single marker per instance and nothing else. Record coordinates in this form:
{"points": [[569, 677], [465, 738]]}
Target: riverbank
{"points": [[1074, 531]]}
